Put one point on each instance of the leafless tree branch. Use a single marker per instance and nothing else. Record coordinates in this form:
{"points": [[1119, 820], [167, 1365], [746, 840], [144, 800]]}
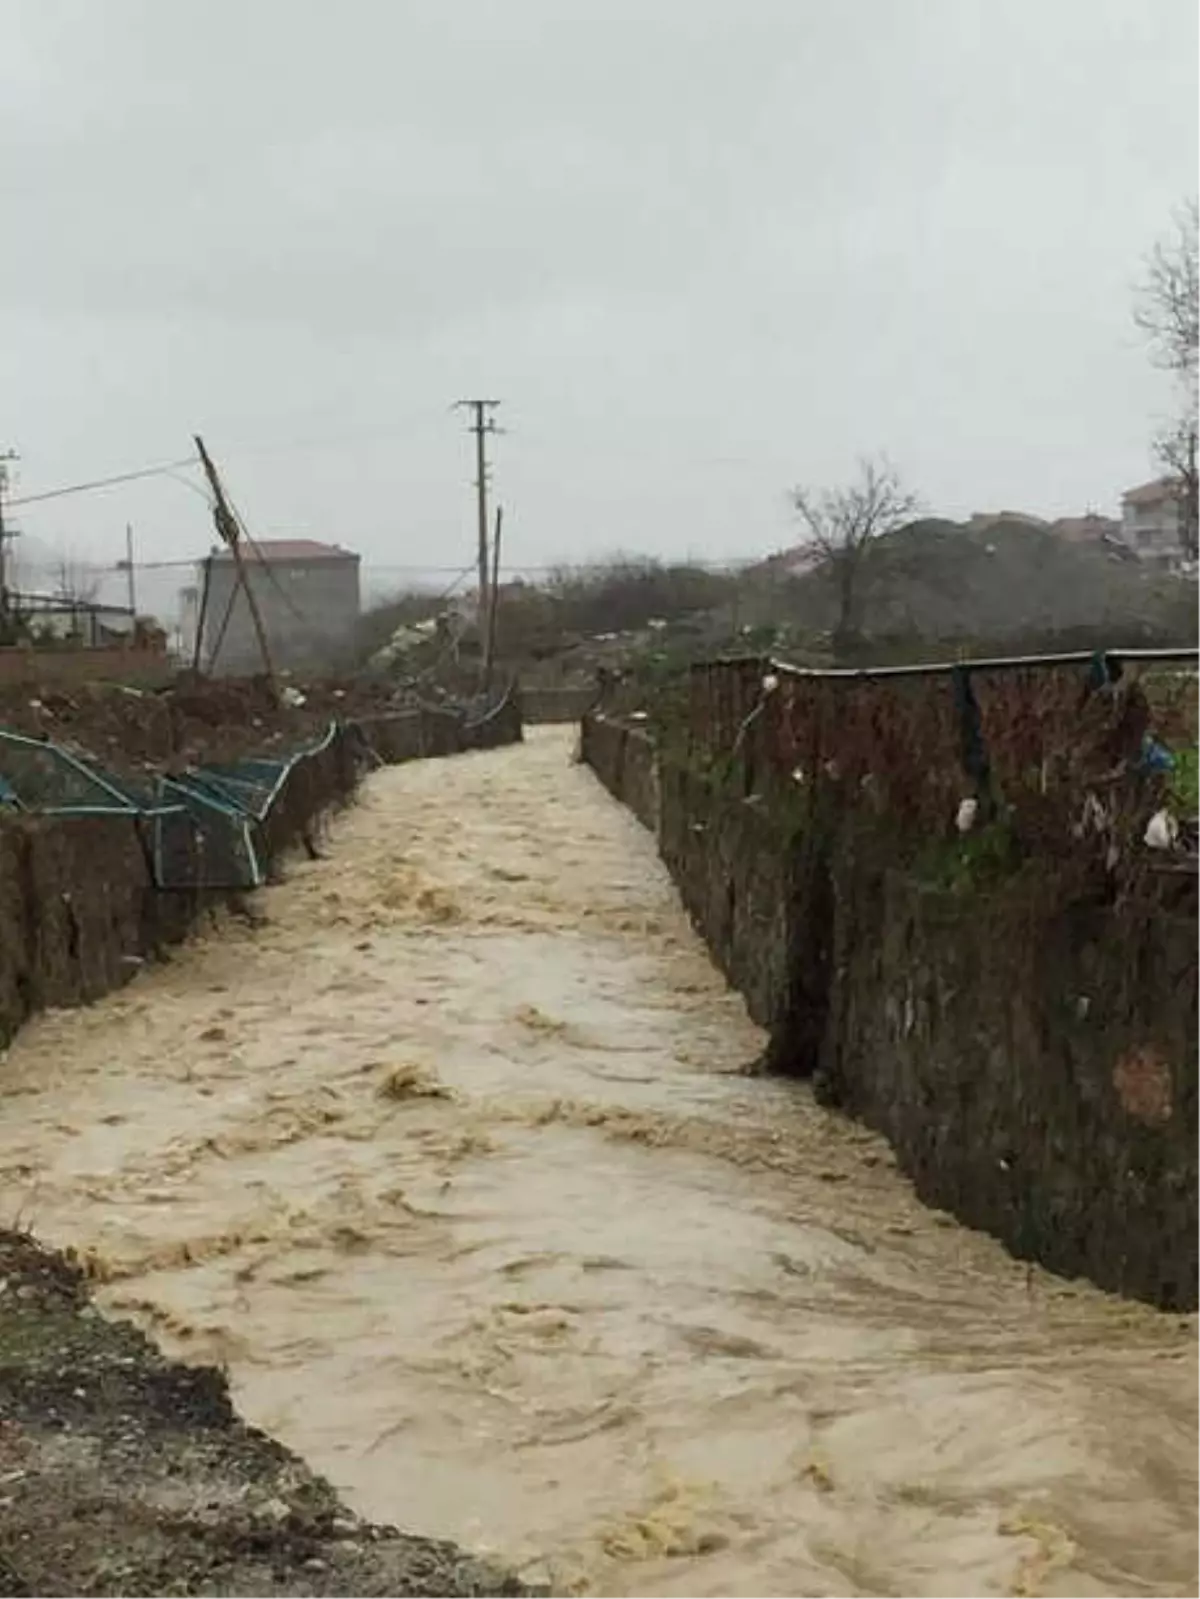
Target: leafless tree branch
{"points": [[1176, 449], [843, 522], [76, 584], [1168, 303]]}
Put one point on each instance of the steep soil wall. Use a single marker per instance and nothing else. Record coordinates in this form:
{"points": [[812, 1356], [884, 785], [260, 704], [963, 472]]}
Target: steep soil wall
{"points": [[502, 725], [1028, 1047], [624, 760], [1033, 1061]]}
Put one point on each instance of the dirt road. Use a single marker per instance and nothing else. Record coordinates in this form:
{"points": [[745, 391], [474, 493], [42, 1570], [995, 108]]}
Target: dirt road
{"points": [[454, 1163]]}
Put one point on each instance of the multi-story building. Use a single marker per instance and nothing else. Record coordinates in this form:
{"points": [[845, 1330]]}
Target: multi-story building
{"points": [[307, 595], [1152, 521]]}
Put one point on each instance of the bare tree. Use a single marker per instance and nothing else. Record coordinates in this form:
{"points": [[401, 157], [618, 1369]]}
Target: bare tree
{"points": [[76, 583], [76, 586], [1167, 310], [1176, 449], [842, 524], [1168, 304]]}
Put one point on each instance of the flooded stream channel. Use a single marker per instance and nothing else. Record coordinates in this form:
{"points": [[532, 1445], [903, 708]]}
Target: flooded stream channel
{"points": [[454, 1163]]}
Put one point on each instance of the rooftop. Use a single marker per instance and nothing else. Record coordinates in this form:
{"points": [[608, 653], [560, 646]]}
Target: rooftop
{"points": [[298, 550], [1162, 488]]}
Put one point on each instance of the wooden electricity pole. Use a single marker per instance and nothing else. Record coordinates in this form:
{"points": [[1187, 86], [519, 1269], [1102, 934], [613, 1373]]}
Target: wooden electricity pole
{"points": [[202, 618], [130, 571], [228, 529]]}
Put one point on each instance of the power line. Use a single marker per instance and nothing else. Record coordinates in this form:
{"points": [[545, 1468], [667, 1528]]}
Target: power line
{"points": [[166, 470], [417, 568], [269, 569]]}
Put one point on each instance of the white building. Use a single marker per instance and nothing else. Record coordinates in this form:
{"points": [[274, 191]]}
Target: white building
{"points": [[1152, 521]]}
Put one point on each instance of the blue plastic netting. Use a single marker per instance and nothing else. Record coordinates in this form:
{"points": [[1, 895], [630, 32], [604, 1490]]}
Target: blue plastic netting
{"points": [[203, 826]]}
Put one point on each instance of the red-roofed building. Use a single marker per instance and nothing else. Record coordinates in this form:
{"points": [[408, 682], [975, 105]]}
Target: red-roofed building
{"points": [[307, 594]]}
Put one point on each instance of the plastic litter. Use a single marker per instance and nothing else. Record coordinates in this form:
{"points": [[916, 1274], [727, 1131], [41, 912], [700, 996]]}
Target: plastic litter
{"points": [[1162, 831], [1156, 757]]}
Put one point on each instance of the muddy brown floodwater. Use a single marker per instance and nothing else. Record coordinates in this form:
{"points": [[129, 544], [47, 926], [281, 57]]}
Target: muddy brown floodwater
{"points": [[453, 1162]]}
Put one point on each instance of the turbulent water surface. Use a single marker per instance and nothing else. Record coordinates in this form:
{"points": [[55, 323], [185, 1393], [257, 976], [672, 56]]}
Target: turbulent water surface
{"points": [[454, 1163]]}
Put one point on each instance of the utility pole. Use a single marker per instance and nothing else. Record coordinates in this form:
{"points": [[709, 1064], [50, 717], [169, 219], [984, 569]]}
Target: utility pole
{"points": [[5, 535], [489, 653], [482, 425], [129, 570], [227, 527], [202, 617]]}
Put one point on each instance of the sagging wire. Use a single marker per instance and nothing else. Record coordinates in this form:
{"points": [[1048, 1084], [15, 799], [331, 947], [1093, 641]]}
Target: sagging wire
{"points": [[166, 470]]}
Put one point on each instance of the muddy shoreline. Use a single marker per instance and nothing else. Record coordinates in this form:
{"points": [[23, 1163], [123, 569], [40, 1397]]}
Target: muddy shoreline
{"points": [[124, 1473]]}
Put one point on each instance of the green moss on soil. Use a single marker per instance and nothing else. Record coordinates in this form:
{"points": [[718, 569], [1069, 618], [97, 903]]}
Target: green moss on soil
{"points": [[970, 863]]}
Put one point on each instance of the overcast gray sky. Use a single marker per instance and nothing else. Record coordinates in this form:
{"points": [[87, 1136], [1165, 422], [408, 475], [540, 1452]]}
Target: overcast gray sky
{"points": [[701, 250]]}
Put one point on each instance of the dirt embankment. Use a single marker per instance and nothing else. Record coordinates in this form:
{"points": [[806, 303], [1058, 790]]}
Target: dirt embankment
{"points": [[124, 1473], [194, 722]]}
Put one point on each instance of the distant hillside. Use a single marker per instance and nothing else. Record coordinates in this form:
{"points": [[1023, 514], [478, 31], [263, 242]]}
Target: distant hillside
{"points": [[1006, 582]]}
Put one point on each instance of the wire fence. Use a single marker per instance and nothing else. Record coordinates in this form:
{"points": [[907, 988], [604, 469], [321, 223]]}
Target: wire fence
{"points": [[200, 829], [219, 826]]}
